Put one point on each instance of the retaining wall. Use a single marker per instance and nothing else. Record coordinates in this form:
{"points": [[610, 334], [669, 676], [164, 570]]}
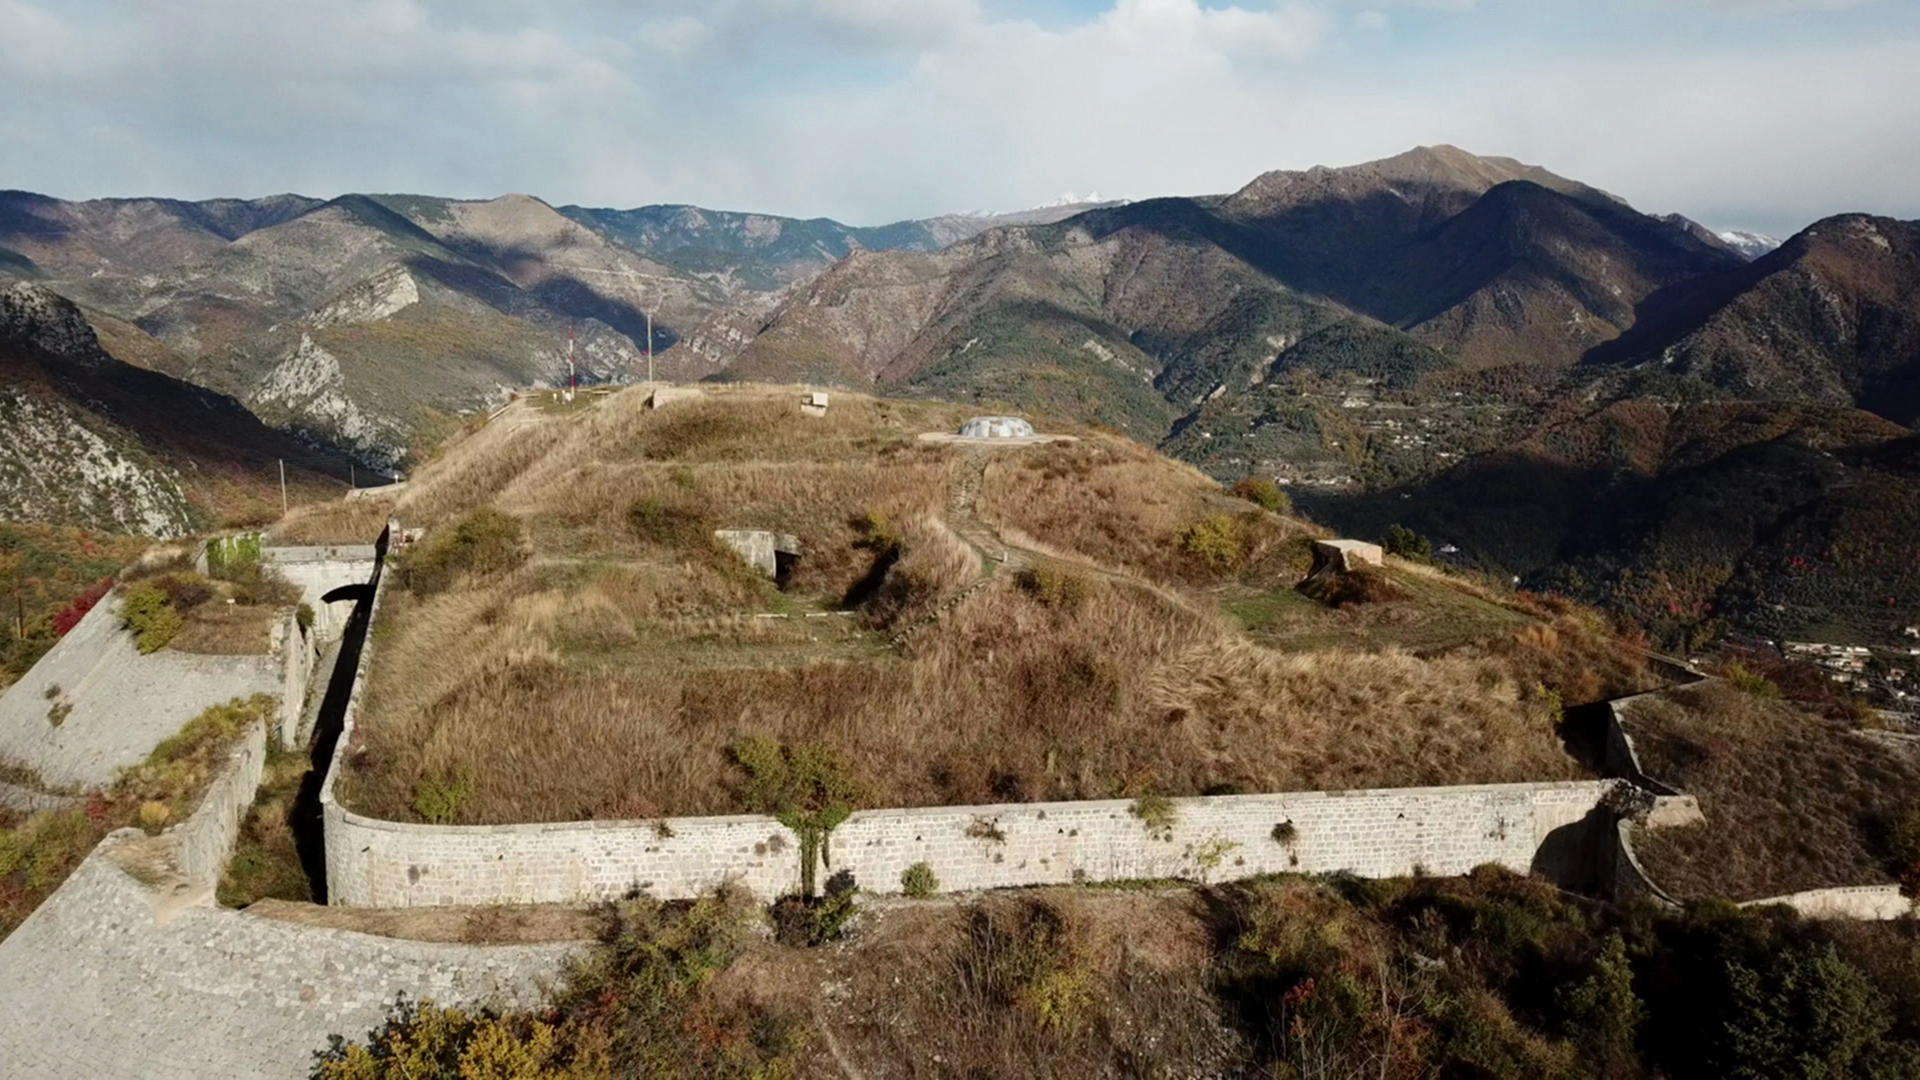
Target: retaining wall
{"points": [[1855, 902], [1442, 831], [204, 840], [296, 648], [1389, 833]]}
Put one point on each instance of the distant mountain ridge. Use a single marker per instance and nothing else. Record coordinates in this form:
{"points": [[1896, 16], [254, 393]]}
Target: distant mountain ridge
{"points": [[1627, 407], [88, 440]]}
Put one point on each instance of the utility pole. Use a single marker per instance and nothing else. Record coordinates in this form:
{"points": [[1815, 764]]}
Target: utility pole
{"points": [[649, 346], [569, 363], [283, 487], [353, 478]]}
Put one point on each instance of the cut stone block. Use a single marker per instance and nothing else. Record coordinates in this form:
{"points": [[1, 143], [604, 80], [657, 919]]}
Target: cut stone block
{"points": [[1346, 555]]}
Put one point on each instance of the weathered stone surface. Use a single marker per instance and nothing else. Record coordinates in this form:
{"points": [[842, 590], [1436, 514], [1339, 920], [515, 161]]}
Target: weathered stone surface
{"points": [[123, 703], [996, 427], [93, 985], [760, 548], [320, 570], [1853, 902], [1346, 555], [667, 395]]}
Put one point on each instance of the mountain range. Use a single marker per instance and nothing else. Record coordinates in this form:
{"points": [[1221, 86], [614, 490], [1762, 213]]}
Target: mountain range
{"points": [[1546, 379]]}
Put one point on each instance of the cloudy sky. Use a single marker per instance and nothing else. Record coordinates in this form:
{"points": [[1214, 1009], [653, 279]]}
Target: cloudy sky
{"points": [[1758, 114]]}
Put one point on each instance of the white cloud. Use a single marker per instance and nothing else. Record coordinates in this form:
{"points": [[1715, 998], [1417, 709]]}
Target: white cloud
{"points": [[870, 110]]}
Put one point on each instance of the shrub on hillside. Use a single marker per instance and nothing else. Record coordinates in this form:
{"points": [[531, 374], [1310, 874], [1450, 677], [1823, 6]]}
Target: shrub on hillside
{"points": [[668, 524], [483, 543], [1744, 679], [76, 609], [1053, 586], [1216, 542], [1264, 493], [1408, 544]]}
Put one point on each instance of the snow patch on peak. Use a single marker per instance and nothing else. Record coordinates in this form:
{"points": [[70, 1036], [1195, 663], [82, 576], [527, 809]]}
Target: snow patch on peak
{"points": [[1751, 244]]}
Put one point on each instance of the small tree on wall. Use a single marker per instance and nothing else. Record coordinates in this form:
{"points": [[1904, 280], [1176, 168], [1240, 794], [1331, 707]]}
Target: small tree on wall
{"points": [[806, 788]]}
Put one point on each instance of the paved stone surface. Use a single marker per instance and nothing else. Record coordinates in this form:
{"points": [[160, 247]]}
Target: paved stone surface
{"points": [[123, 703], [102, 981]]}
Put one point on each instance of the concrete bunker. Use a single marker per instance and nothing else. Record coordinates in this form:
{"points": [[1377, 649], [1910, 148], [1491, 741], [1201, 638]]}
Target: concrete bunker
{"points": [[773, 554], [1345, 556], [996, 427]]}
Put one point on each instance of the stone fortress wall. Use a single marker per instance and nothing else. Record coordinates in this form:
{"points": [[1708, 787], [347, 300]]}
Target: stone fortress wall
{"points": [[1553, 827], [1670, 807], [204, 841], [1570, 831]]}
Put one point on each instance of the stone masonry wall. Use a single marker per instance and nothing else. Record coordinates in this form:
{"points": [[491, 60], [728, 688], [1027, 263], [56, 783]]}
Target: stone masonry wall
{"points": [[1373, 833], [296, 650], [204, 840], [320, 570], [103, 981], [122, 702], [1443, 831], [1854, 902]]}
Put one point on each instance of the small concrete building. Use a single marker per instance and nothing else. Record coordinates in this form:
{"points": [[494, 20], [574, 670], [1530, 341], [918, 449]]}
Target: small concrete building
{"points": [[771, 553], [996, 427], [1346, 555], [666, 395]]}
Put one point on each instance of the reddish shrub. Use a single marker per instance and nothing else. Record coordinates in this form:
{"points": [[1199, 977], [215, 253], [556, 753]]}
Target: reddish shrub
{"points": [[68, 617]]}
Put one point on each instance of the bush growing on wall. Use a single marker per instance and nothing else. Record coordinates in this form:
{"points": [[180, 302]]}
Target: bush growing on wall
{"points": [[806, 787], [1157, 813], [919, 880]]}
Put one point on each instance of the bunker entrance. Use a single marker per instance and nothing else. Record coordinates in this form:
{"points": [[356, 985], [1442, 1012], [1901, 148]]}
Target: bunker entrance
{"points": [[784, 564]]}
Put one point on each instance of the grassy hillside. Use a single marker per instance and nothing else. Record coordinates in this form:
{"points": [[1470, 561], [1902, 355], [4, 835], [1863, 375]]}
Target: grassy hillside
{"points": [[1491, 976]]}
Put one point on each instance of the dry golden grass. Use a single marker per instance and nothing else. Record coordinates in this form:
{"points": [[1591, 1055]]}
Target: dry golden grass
{"points": [[1124, 507], [1793, 800], [218, 628], [339, 521], [608, 674]]}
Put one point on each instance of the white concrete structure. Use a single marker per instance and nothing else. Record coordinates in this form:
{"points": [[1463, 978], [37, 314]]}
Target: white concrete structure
{"points": [[760, 548], [318, 570], [667, 395], [996, 427]]}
